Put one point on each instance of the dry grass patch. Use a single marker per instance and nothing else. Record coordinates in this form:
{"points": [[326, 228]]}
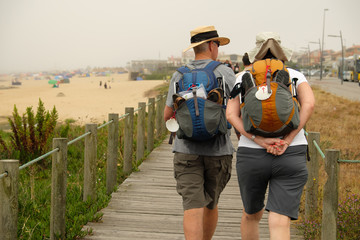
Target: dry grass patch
{"points": [[338, 121]]}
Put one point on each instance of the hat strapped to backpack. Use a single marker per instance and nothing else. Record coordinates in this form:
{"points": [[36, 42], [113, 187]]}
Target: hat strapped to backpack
{"points": [[269, 41]]}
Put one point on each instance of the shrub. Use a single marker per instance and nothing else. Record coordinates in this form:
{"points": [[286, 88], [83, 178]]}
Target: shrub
{"points": [[31, 134]]}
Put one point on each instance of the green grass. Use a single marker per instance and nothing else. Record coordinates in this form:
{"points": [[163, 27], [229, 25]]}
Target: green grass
{"points": [[34, 215]]}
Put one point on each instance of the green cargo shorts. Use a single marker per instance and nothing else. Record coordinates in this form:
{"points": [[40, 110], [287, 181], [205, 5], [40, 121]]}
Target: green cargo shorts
{"points": [[201, 179]]}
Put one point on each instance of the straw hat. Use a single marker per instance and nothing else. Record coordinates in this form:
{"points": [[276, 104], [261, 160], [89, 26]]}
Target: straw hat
{"points": [[269, 41], [205, 34]]}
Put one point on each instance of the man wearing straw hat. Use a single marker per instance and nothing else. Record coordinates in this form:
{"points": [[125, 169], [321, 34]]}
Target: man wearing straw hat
{"points": [[202, 169], [277, 163]]}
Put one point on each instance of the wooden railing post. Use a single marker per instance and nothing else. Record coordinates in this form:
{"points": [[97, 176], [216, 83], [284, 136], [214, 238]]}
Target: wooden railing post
{"points": [[330, 200], [90, 162], [312, 185], [58, 189], [151, 122], [158, 116], [112, 152], [9, 186], [128, 139], [140, 137], [163, 126]]}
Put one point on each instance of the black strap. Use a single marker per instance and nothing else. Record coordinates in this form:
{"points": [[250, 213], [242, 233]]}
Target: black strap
{"points": [[172, 135], [204, 36]]}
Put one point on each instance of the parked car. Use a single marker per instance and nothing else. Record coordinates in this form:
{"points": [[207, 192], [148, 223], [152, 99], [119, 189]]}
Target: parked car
{"points": [[305, 72]]}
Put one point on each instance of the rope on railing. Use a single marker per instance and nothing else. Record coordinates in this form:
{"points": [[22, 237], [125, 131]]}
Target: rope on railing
{"points": [[138, 109], [349, 161], [323, 155], [78, 138], [57, 149], [319, 149], [105, 124], [38, 159], [123, 116], [316, 146], [149, 104]]}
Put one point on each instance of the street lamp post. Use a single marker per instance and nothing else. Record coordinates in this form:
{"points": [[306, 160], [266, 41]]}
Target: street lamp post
{"points": [[342, 55], [322, 45], [309, 60], [319, 48]]}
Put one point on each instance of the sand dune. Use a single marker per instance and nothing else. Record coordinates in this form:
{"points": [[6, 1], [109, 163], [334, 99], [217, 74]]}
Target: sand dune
{"points": [[82, 99]]}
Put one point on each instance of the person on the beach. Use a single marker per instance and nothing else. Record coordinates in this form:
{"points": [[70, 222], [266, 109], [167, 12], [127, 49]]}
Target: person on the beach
{"points": [[279, 163], [202, 169]]}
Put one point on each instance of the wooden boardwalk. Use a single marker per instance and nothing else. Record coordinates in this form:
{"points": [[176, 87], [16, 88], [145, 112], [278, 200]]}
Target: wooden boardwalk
{"points": [[147, 206]]}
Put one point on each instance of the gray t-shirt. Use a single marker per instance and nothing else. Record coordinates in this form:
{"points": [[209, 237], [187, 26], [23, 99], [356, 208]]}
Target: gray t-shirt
{"points": [[220, 145]]}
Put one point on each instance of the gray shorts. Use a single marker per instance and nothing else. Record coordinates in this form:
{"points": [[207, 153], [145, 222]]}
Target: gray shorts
{"points": [[201, 179], [286, 175]]}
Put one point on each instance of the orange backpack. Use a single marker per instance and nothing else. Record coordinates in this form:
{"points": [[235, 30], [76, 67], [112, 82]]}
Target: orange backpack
{"points": [[270, 108], [262, 68]]}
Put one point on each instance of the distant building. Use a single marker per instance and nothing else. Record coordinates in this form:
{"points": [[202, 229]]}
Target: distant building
{"points": [[147, 66], [187, 57], [234, 58], [329, 56], [355, 49], [174, 61]]}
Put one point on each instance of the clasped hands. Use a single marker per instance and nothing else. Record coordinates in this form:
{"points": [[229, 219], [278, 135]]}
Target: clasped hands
{"points": [[274, 146]]}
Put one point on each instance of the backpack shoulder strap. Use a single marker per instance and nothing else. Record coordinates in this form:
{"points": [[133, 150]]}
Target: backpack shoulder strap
{"points": [[209, 69], [212, 65], [184, 69]]}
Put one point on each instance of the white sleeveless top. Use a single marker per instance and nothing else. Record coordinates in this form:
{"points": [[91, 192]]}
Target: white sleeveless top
{"points": [[299, 139]]}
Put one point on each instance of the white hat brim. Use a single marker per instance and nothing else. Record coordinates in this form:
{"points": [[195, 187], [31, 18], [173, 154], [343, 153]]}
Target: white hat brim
{"points": [[286, 56]]}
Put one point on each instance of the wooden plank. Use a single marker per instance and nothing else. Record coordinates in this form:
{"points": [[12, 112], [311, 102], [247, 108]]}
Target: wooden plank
{"points": [[147, 206]]}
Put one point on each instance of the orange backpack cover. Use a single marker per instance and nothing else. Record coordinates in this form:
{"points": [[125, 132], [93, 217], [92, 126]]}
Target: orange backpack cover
{"points": [[276, 115]]}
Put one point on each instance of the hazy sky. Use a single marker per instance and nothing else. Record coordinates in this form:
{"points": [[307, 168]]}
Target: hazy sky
{"points": [[67, 34]]}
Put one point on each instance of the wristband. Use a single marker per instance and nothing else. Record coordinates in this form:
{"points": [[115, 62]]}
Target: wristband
{"points": [[253, 137]]}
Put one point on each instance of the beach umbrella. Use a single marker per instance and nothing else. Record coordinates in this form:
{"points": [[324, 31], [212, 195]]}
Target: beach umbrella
{"points": [[52, 81]]}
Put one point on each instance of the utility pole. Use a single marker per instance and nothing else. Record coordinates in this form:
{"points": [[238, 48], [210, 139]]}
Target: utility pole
{"points": [[319, 49], [322, 45], [342, 54]]}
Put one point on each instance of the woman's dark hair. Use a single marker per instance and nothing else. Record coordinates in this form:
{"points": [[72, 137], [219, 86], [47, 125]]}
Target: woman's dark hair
{"points": [[268, 55], [245, 60]]}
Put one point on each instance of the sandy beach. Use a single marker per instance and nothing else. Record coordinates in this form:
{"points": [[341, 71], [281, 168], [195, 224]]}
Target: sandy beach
{"points": [[83, 99]]}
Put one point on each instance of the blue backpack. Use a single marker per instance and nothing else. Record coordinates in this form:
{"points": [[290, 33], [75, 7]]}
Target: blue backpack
{"points": [[199, 103]]}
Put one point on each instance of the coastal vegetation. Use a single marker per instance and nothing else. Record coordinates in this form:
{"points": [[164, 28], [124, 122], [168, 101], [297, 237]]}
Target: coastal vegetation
{"points": [[336, 118], [35, 187]]}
